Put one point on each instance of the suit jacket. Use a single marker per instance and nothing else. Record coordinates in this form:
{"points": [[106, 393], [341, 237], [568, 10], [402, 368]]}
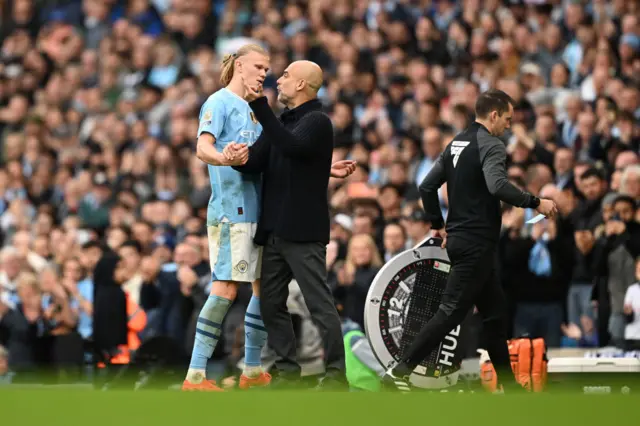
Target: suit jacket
{"points": [[293, 154]]}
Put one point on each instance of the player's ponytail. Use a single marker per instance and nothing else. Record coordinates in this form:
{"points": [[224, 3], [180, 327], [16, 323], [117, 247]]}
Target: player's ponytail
{"points": [[229, 60], [228, 63]]}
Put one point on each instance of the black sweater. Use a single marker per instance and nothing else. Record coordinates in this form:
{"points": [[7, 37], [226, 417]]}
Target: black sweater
{"points": [[294, 156]]}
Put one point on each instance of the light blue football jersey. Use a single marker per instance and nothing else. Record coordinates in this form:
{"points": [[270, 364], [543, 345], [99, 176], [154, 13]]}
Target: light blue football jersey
{"points": [[235, 196]]}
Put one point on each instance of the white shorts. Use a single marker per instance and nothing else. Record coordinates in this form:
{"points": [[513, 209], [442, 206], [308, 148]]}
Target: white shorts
{"points": [[232, 253]]}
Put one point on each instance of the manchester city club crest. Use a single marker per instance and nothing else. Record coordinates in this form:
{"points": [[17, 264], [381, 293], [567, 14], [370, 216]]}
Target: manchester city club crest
{"points": [[242, 266], [403, 296]]}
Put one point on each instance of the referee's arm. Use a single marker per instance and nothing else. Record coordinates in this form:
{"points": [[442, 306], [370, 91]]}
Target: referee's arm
{"points": [[429, 193], [493, 156]]}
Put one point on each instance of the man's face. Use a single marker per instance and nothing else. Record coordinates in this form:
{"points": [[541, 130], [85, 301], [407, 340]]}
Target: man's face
{"points": [[253, 68], [90, 258], [624, 210], [394, 240], [362, 225], [41, 247], [116, 237], [142, 233], [130, 258], [563, 161], [501, 122], [545, 128], [288, 85], [591, 188], [339, 233], [432, 142], [586, 125], [389, 199], [11, 266], [418, 230], [186, 254]]}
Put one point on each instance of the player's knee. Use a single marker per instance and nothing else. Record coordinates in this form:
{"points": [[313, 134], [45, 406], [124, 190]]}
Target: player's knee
{"points": [[225, 289]]}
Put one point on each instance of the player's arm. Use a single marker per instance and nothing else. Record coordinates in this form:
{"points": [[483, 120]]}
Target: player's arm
{"points": [[212, 119], [493, 157], [207, 152], [304, 141], [429, 193], [258, 157]]}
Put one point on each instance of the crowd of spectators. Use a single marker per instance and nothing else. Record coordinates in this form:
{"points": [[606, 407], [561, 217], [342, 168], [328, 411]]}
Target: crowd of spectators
{"points": [[99, 104]]}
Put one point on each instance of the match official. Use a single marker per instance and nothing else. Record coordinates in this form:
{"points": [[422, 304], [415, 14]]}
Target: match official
{"points": [[473, 167], [294, 154]]}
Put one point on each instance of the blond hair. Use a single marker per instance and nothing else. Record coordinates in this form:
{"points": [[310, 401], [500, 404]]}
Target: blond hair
{"points": [[376, 259], [27, 280], [229, 60]]}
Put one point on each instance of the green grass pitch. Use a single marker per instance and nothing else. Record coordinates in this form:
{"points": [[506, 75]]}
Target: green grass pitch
{"points": [[52, 407]]}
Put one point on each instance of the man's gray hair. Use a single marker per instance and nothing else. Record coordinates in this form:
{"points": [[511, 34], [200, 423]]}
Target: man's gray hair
{"points": [[629, 173]]}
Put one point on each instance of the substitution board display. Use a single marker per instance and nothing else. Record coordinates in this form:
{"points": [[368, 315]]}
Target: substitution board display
{"points": [[404, 295]]}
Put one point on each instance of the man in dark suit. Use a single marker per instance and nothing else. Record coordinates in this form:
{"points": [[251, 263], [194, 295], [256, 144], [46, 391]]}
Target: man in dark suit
{"points": [[294, 155]]}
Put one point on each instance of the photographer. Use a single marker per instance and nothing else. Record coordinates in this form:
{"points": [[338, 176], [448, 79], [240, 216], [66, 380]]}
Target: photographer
{"points": [[614, 257]]}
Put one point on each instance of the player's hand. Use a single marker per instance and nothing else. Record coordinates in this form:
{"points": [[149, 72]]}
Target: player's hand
{"points": [[441, 233], [241, 155], [343, 169], [252, 90], [547, 208], [231, 149], [627, 309]]}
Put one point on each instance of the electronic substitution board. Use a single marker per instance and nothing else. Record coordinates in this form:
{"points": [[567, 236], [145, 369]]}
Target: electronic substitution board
{"points": [[403, 296]]}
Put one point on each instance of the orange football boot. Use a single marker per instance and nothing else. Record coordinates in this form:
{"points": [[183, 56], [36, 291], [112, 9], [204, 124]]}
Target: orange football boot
{"points": [[254, 382], [203, 386]]}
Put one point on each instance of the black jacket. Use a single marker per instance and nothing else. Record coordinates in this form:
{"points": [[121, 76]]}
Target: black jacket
{"points": [[294, 156], [474, 168]]}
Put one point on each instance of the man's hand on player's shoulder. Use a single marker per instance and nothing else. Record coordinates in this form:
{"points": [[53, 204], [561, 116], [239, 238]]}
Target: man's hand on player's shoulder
{"points": [[547, 208]]}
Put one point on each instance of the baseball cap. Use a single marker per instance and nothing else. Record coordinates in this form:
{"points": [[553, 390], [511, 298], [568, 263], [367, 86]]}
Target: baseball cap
{"points": [[344, 220], [531, 68]]}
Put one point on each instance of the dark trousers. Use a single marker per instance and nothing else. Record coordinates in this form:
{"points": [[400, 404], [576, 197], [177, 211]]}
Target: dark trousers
{"points": [[306, 262], [539, 320], [473, 280]]}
